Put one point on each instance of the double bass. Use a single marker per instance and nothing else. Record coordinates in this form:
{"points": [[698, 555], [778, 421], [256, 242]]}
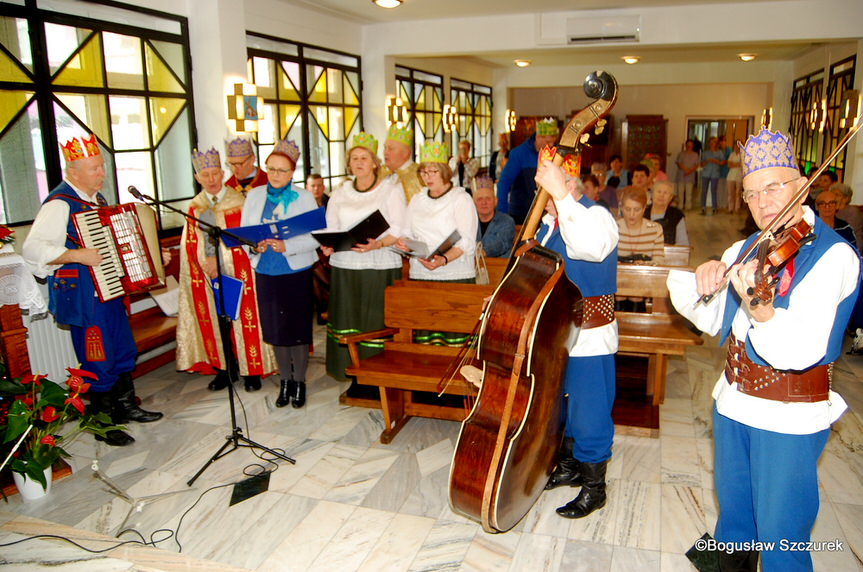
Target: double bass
{"points": [[508, 443]]}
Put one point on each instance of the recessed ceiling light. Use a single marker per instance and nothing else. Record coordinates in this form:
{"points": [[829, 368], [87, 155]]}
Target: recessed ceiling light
{"points": [[388, 3], [631, 59], [522, 63], [747, 57]]}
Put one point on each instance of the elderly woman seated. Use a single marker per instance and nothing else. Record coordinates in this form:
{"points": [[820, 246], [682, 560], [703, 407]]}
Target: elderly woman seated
{"points": [[641, 240], [670, 218]]}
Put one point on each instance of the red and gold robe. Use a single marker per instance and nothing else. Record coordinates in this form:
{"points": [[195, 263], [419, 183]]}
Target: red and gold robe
{"points": [[259, 180], [199, 345]]}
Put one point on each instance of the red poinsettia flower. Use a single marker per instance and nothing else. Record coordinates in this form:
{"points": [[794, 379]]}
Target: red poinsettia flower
{"points": [[34, 379], [50, 414], [48, 440], [28, 401], [77, 403], [81, 373], [77, 384]]}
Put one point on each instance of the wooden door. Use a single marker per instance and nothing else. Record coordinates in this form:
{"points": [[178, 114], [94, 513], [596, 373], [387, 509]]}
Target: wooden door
{"points": [[644, 134]]}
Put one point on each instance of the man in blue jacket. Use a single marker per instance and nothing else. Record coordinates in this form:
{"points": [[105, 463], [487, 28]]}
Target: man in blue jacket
{"points": [[516, 186]]}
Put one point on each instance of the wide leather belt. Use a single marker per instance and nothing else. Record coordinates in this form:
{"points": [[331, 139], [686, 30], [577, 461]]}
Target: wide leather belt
{"points": [[806, 386], [596, 311]]}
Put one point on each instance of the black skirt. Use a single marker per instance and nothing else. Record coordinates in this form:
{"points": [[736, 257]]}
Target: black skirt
{"points": [[285, 304]]}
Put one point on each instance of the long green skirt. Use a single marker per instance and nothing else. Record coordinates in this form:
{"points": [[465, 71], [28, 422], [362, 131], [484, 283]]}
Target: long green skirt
{"points": [[450, 339], [356, 305]]}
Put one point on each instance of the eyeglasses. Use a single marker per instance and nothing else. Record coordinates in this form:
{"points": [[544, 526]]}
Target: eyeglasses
{"points": [[428, 172], [236, 164], [279, 171], [820, 204], [770, 189]]}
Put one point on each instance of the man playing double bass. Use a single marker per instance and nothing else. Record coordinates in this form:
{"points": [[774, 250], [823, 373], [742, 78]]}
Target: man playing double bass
{"points": [[586, 235], [773, 402]]}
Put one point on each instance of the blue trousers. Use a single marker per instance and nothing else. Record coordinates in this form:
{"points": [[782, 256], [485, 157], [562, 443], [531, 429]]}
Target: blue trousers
{"points": [[712, 184], [590, 384], [767, 485], [117, 341]]}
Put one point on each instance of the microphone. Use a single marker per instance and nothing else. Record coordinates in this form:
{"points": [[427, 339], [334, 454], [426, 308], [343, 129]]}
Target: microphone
{"points": [[136, 193]]}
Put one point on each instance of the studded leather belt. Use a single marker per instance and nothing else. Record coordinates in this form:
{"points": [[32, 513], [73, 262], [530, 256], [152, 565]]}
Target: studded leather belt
{"points": [[596, 311], [806, 386]]}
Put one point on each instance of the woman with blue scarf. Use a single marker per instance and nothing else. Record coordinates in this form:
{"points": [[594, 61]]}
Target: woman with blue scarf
{"points": [[283, 271]]}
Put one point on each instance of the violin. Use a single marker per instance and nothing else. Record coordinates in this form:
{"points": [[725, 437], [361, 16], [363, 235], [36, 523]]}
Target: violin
{"points": [[778, 245]]}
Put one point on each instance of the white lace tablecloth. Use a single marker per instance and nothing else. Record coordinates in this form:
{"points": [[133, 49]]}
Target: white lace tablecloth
{"points": [[18, 286]]}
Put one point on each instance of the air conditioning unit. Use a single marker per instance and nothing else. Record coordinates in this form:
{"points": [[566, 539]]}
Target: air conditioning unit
{"points": [[594, 30]]}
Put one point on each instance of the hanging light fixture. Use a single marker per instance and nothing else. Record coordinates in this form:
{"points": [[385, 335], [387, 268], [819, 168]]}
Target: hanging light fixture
{"points": [[388, 3]]}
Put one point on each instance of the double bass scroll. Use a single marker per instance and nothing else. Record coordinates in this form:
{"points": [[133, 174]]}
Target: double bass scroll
{"points": [[507, 445]]}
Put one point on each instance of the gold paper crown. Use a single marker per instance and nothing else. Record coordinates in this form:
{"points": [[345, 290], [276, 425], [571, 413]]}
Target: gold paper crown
{"points": [[81, 148], [367, 140], [767, 149], [482, 182], [239, 147], [289, 148], [401, 135], [434, 152], [206, 160], [547, 153], [547, 126], [572, 165]]}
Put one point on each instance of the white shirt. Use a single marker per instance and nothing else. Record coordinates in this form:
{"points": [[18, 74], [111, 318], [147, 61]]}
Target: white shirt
{"points": [[794, 339], [47, 238], [347, 207], [433, 220], [590, 234]]}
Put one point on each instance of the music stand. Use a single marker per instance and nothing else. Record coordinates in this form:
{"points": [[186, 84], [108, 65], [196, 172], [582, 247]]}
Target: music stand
{"points": [[236, 439]]}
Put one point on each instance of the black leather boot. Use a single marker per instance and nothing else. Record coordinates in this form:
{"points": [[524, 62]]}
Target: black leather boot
{"points": [[567, 472], [252, 382], [126, 406], [100, 402], [738, 561], [285, 391], [299, 394], [220, 381], [592, 495]]}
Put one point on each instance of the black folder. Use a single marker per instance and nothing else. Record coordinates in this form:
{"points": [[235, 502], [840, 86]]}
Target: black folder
{"points": [[370, 227]]}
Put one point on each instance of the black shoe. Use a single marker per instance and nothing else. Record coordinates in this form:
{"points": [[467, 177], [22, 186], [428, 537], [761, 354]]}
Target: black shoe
{"points": [[286, 389], [116, 438], [125, 407], [299, 394], [592, 495], [220, 381], [252, 382], [568, 472]]}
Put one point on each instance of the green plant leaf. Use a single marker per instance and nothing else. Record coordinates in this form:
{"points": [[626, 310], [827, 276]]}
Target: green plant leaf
{"points": [[17, 422]]}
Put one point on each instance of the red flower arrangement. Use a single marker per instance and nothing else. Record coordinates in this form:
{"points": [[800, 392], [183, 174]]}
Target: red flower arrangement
{"points": [[7, 235], [44, 408]]}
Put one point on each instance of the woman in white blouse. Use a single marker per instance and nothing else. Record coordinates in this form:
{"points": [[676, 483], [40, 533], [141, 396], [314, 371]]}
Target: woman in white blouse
{"points": [[360, 275]]}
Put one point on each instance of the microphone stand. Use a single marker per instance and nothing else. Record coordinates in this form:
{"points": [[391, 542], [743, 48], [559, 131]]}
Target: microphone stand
{"points": [[236, 439]]}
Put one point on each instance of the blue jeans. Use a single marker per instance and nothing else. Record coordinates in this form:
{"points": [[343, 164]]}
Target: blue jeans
{"points": [[712, 184]]}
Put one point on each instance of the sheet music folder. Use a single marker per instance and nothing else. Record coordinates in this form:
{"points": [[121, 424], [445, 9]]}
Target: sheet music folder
{"points": [[280, 230], [371, 227], [420, 249]]}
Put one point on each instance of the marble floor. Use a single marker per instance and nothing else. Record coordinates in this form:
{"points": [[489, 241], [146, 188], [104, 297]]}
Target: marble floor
{"points": [[351, 503]]}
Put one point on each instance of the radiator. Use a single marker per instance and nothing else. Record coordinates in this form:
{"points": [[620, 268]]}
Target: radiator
{"points": [[50, 348]]}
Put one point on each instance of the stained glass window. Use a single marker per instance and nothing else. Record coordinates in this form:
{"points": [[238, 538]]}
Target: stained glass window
{"points": [[124, 81], [312, 96], [473, 103], [422, 93]]}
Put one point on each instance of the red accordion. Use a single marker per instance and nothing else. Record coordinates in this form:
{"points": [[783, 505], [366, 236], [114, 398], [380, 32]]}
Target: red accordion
{"points": [[125, 235]]}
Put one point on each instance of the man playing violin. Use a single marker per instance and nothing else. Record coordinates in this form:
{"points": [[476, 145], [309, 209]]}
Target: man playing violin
{"points": [[585, 234], [773, 402]]}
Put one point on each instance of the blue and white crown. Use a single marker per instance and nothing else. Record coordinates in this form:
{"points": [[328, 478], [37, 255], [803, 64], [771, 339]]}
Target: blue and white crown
{"points": [[239, 147], [206, 160], [288, 148], [767, 149]]}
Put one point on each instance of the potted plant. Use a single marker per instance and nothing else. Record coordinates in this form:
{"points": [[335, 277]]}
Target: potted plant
{"points": [[45, 417]]}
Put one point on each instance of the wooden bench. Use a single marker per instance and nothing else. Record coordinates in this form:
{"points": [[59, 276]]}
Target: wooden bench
{"points": [[407, 373], [657, 334], [677, 255], [151, 328]]}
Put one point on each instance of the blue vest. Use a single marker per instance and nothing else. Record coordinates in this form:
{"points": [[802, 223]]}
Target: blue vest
{"points": [[807, 257], [72, 294], [592, 278]]}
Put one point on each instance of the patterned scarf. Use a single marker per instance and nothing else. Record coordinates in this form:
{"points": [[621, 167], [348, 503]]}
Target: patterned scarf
{"points": [[281, 197]]}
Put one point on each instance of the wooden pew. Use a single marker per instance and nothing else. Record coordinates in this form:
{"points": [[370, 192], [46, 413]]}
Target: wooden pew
{"points": [[151, 328], [657, 334], [677, 255], [406, 371]]}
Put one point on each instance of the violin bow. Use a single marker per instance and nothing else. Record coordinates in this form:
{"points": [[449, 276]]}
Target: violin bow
{"points": [[778, 220]]}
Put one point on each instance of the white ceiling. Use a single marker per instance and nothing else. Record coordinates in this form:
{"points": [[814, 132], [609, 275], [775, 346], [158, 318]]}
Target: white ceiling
{"points": [[365, 12]]}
